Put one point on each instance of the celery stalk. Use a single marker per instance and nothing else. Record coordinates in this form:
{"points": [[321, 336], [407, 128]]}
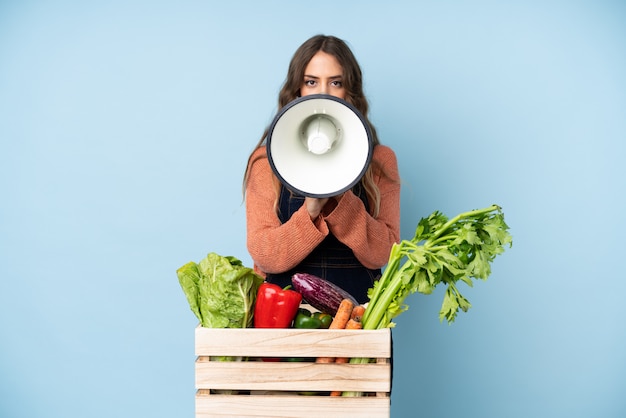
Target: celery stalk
{"points": [[442, 251]]}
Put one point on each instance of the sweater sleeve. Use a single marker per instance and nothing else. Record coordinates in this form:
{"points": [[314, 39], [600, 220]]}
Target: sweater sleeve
{"points": [[276, 247], [371, 238]]}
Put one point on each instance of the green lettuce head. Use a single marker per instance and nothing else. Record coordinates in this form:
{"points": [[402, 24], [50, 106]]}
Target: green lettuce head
{"points": [[220, 290]]}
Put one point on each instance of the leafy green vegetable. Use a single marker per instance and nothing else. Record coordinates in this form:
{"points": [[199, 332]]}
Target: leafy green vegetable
{"points": [[220, 290], [442, 251]]}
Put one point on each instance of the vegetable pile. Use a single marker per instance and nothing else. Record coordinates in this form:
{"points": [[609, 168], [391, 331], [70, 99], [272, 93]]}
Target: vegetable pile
{"points": [[223, 293]]}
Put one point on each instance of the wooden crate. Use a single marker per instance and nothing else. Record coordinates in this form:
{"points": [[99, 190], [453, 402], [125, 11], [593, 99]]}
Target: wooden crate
{"points": [[274, 389]]}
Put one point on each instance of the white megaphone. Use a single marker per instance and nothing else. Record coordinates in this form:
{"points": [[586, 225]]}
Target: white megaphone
{"points": [[319, 146]]}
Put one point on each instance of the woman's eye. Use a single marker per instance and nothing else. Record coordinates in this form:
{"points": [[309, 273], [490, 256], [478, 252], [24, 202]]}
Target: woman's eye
{"points": [[336, 83], [309, 83]]}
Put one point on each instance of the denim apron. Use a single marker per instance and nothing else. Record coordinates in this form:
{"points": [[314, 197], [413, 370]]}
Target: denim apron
{"points": [[331, 260]]}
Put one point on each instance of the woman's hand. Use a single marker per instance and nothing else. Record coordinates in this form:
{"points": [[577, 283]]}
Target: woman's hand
{"points": [[314, 206], [324, 206]]}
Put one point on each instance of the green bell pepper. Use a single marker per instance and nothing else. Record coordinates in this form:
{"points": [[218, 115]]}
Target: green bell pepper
{"points": [[304, 320], [325, 319]]}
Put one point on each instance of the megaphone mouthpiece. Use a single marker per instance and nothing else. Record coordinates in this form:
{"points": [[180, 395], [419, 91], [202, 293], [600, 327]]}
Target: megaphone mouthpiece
{"points": [[320, 134]]}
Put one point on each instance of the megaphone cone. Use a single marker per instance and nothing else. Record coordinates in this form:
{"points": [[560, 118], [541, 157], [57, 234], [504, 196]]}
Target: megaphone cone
{"points": [[319, 146]]}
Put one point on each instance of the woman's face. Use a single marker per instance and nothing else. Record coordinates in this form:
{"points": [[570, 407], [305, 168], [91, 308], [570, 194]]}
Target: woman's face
{"points": [[323, 75]]}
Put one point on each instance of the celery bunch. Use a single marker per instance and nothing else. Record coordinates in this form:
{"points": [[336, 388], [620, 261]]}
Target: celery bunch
{"points": [[442, 251]]}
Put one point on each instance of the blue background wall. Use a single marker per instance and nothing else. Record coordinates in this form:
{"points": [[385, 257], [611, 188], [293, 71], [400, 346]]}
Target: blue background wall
{"points": [[124, 131]]}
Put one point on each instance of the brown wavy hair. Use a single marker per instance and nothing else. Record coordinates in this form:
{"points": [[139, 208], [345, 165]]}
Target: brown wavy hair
{"points": [[352, 79]]}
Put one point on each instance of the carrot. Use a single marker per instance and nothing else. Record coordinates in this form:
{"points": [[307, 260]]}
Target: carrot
{"points": [[357, 313], [354, 324], [339, 322], [340, 360], [343, 315]]}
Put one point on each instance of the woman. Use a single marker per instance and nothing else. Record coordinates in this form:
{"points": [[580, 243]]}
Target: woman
{"points": [[345, 239]]}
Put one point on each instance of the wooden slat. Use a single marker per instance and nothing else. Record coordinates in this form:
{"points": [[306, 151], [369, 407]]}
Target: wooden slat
{"points": [[278, 406], [257, 342], [258, 375]]}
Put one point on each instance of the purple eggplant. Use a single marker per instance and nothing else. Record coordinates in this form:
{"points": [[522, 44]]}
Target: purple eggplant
{"points": [[320, 293]]}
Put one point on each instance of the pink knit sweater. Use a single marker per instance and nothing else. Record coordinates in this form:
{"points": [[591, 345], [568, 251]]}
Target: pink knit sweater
{"points": [[276, 247]]}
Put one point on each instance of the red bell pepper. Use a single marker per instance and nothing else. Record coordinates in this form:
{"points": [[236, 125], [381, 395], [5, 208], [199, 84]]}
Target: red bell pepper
{"points": [[275, 307]]}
